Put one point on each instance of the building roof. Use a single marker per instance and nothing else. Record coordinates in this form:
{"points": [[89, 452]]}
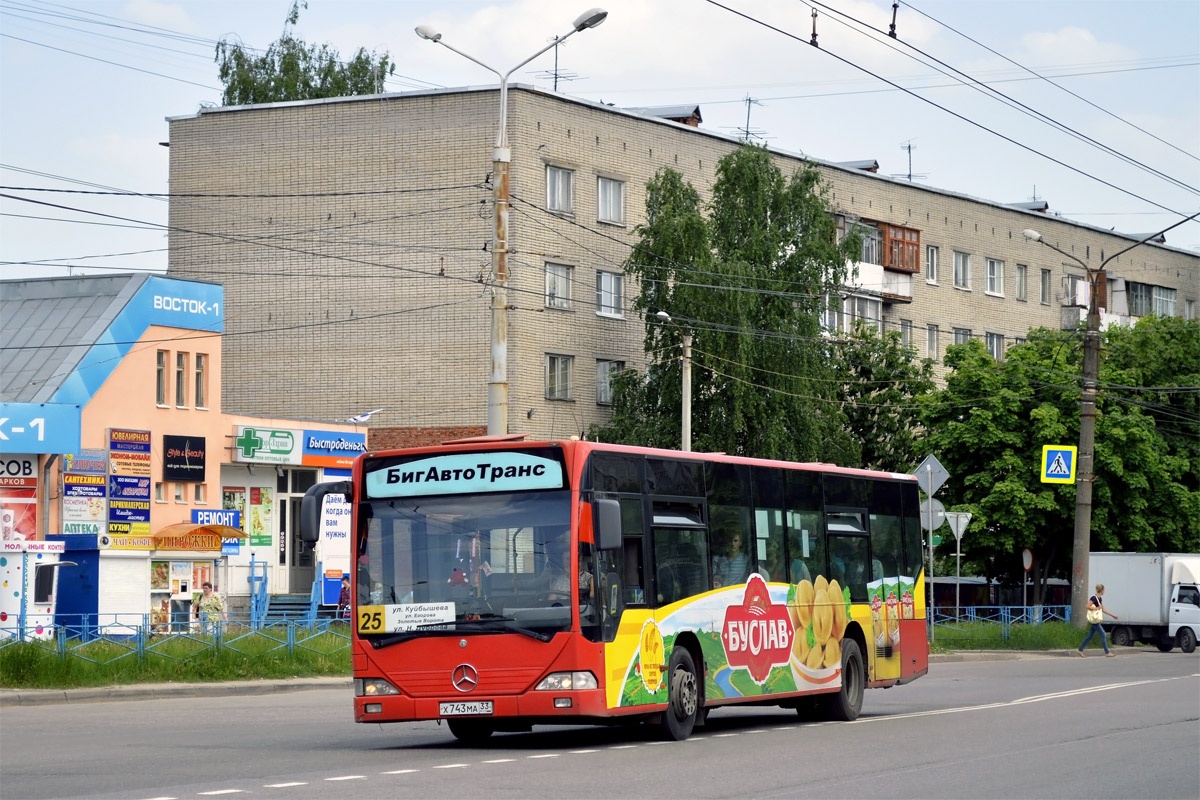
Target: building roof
{"points": [[866, 165], [676, 112], [49, 324], [1033, 205]]}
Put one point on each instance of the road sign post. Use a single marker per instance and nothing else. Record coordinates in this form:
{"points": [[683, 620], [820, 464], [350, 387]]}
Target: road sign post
{"points": [[930, 476], [958, 523]]}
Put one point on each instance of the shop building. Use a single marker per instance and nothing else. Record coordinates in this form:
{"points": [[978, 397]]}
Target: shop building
{"points": [[115, 444]]}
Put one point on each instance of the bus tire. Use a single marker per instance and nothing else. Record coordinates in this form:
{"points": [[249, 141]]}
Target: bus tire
{"points": [[846, 703], [683, 696], [470, 731]]}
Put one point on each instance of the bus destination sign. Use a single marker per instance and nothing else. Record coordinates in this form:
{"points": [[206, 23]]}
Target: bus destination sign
{"points": [[465, 473]]}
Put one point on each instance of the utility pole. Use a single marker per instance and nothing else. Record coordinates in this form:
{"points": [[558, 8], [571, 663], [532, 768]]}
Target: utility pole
{"points": [[1082, 541]]}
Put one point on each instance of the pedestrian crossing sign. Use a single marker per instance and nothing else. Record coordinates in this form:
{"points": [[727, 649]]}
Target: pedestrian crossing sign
{"points": [[1058, 463]]}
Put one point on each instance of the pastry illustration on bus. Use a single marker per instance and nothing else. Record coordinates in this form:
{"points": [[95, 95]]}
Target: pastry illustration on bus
{"points": [[819, 612]]}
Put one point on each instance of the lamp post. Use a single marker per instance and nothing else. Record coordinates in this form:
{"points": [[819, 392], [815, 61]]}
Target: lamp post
{"points": [[501, 155], [686, 397], [1087, 423]]}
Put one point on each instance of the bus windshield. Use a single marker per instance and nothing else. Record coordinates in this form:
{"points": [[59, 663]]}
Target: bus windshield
{"points": [[432, 565]]}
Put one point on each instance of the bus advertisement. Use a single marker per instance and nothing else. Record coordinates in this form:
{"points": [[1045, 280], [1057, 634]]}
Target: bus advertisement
{"points": [[500, 584]]}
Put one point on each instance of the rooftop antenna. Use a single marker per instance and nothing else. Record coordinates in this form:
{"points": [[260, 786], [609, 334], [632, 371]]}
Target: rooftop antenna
{"points": [[1035, 197], [747, 133], [910, 175], [556, 73]]}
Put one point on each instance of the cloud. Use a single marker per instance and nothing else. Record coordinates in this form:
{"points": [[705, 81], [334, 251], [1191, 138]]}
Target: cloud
{"points": [[161, 15]]}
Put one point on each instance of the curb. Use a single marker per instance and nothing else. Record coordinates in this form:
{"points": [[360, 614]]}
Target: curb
{"points": [[159, 691]]}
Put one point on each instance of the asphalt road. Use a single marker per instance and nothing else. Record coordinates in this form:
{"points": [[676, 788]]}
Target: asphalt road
{"points": [[1038, 727]]}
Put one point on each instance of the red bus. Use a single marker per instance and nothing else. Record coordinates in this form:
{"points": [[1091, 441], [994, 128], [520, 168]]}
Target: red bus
{"points": [[502, 583]]}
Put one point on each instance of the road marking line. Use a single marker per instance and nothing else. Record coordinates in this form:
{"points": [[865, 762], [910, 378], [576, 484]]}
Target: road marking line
{"points": [[581, 752], [544, 755], [724, 735], [622, 747], [1017, 702], [224, 791], [399, 771], [499, 761], [348, 778], [284, 785], [450, 766]]}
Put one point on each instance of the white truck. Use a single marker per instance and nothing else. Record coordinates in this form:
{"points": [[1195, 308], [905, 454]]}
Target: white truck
{"points": [[1155, 595]]}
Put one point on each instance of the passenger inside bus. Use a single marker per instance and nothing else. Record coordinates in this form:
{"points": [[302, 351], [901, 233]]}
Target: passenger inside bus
{"points": [[730, 567]]}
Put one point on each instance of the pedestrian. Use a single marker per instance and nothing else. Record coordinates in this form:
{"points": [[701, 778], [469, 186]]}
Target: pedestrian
{"points": [[210, 609], [1095, 616], [344, 599]]}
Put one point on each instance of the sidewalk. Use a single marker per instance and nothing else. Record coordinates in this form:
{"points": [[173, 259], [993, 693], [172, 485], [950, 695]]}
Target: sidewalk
{"points": [[152, 691]]}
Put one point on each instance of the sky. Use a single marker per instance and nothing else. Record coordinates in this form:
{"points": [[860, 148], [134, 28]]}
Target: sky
{"points": [[1092, 106]]}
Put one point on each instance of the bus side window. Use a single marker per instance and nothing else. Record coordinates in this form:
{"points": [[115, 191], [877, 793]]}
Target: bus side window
{"points": [[635, 594]]}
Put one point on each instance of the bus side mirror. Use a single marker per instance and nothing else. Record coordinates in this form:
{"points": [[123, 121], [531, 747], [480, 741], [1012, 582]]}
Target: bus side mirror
{"points": [[606, 524], [311, 505]]}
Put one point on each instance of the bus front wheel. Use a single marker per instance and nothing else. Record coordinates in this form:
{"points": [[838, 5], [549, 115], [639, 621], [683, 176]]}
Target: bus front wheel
{"points": [[845, 705], [683, 696]]}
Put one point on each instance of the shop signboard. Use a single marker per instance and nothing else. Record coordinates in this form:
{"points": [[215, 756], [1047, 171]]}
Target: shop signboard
{"points": [[129, 452], [18, 497], [334, 539], [40, 427], [183, 458], [267, 445], [84, 503], [128, 499], [332, 448]]}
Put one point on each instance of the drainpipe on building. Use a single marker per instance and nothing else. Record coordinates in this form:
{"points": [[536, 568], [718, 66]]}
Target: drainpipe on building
{"points": [[46, 483]]}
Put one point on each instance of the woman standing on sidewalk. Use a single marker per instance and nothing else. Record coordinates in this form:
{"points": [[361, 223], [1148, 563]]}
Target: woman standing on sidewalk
{"points": [[1095, 615]]}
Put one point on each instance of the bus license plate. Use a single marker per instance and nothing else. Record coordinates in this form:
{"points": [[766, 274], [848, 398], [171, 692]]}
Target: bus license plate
{"points": [[465, 709]]}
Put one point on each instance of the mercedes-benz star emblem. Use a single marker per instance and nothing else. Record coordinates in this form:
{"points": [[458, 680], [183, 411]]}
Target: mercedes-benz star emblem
{"points": [[464, 677]]}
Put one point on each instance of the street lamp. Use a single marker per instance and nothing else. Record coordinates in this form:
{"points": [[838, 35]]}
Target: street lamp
{"points": [[686, 432], [1087, 421], [501, 155]]}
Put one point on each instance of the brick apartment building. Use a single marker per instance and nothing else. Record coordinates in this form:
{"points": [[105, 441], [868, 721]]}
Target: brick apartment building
{"points": [[352, 238]]}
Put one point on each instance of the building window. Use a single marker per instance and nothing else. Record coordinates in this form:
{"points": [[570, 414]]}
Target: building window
{"points": [[1077, 291], [558, 377], [994, 277], [902, 248], [201, 494], [962, 335], [1045, 291], [161, 387], [866, 309], [1164, 301], [558, 189], [608, 294], [995, 345], [604, 373], [181, 380], [906, 328], [1189, 309], [831, 314], [931, 342], [872, 244], [1022, 278], [611, 201], [201, 380], [179, 496], [962, 270], [558, 285], [160, 492], [931, 264]]}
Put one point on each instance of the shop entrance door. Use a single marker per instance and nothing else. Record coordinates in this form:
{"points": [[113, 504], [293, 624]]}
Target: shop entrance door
{"points": [[301, 567]]}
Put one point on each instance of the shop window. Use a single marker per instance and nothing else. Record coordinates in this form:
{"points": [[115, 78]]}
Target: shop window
{"points": [[201, 380], [181, 380], [161, 379]]}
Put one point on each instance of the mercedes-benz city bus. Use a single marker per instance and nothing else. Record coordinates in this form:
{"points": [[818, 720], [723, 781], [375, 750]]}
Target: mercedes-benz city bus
{"points": [[500, 583]]}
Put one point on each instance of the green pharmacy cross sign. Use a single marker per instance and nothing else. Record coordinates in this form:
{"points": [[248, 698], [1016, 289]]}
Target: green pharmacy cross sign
{"points": [[269, 446]]}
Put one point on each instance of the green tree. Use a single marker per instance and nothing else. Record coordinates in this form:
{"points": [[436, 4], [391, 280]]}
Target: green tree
{"points": [[747, 281], [880, 385], [989, 424], [291, 69]]}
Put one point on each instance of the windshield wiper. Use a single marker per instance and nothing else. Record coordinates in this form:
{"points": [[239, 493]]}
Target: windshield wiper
{"points": [[505, 621]]}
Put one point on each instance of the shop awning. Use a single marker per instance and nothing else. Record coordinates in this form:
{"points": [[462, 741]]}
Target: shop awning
{"points": [[191, 536]]}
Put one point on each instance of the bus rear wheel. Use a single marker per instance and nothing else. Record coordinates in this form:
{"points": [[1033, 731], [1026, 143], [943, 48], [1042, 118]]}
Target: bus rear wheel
{"points": [[683, 696], [470, 731], [846, 704]]}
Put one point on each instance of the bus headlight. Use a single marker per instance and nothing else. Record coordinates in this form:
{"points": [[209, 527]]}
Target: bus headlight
{"points": [[562, 681], [373, 687]]}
